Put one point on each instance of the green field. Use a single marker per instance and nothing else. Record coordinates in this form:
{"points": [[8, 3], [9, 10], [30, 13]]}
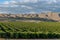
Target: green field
{"points": [[29, 30]]}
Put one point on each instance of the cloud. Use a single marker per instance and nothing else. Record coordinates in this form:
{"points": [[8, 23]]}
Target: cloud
{"points": [[9, 5], [29, 1], [6, 2], [3, 12], [25, 1], [55, 1], [32, 12], [28, 7], [9, 2], [15, 3], [52, 1], [20, 1]]}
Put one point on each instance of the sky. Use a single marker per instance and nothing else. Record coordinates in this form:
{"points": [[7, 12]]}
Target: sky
{"points": [[29, 6], [2, 1], [12, 3], [25, 1]]}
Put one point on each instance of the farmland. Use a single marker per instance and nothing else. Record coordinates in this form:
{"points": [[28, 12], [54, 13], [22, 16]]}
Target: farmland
{"points": [[29, 30]]}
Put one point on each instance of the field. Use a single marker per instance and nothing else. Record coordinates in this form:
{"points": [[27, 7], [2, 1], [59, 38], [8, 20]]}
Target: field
{"points": [[29, 30]]}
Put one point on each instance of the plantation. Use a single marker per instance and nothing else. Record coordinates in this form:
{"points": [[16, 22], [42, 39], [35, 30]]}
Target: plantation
{"points": [[29, 30]]}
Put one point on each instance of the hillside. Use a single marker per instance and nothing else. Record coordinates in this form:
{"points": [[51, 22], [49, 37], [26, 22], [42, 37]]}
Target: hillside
{"points": [[49, 16]]}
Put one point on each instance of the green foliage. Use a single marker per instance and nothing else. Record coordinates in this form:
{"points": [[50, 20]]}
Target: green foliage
{"points": [[29, 30]]}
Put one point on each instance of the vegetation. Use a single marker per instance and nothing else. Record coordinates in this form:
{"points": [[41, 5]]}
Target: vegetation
{"points": [[29, 30]]}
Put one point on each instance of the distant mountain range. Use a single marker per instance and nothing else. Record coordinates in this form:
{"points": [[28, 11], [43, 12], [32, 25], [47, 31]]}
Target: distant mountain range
{"points": [[41, 6]]}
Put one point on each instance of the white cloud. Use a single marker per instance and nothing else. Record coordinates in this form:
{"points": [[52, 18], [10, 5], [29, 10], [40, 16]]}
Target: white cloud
{"points": [[9, 5], [19, 1], [28, 1], [28, 7], [6, 2], [32, 12], [33, 1], [13, 3], [3, 12], [9, 2], [53, 1]]}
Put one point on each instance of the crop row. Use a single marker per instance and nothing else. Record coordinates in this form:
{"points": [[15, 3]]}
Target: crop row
{"points": [[29, 30]]}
